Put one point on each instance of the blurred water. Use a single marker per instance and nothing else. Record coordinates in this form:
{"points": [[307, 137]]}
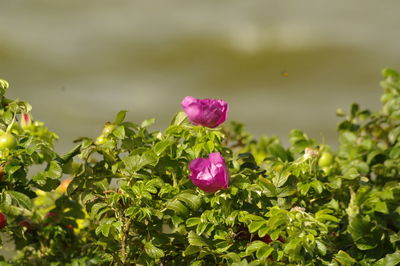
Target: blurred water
{"points": [[79, 62]]}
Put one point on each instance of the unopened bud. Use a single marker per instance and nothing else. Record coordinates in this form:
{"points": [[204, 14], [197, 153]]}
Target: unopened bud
{"points": [[310, 153], [3, 84], [26, 120]]}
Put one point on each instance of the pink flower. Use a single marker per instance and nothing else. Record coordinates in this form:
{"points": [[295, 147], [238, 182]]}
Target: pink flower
{"points": [[209, 174], [205, 112]]}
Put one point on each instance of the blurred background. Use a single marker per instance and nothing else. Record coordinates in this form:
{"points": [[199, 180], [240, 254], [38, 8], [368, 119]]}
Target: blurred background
{"points": [[279, 64]]}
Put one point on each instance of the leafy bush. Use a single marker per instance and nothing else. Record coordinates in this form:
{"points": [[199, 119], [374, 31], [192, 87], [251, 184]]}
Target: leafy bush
{"points": [[131, 201]]}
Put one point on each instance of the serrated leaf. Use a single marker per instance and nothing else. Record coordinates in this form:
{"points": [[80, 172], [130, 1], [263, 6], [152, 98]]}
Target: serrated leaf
{"points": [[161, 146], [196, 240], [344, 259], [280, 178], [191, 200], [192, 221], [190, 250], [136, 162], [153, 251], [54, 170], [119, 132], [177, 207], [20, 199]]}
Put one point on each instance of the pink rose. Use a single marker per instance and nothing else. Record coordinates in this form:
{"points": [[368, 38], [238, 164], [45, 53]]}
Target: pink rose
{"points": [[209, 174], [205, 112]]}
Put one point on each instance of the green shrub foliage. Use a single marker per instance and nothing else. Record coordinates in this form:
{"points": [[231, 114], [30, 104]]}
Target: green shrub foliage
{"points": [[131, 201]]}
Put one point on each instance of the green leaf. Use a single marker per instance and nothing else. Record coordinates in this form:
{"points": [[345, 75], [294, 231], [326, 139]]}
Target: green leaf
{"points": [[136, 162], [190, 250], [222, 247], [177, 207], [365, 236], [20, 199], [280, 178], [119, 132], [153, 251], [264, 252], [278, 151], [179, 118], [120, 117], [201, 227], [148, 122], [392, 259], [196, 240], [161, 146], [193, 201], [192, 221], [351, 174], [232, 257], [96, 208], [348, 137], [105, 226], [255, 225], [286, 191], [263, 230], [254, 246], [318, 186], [381, 206], [11, 169], [321, 247], [68, 156], [394, 134], [54, 170], [323, 215], [344, 259]]}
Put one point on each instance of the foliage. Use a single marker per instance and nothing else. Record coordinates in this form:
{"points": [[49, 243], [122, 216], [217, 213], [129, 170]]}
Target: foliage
{"points": [[131, 201]]}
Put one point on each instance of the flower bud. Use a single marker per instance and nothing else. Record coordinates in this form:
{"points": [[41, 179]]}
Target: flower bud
{"points": [[26, 120], [205, 112], [209, 174], [310, 153], [3, 85]]}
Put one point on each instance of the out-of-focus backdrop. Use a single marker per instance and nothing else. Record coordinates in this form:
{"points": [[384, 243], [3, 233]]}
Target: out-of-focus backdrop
{"points": [[279, 64]]}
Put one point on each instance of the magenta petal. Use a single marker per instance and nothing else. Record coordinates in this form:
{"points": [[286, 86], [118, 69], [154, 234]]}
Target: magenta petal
{"points": [[198, 165], [209, 174], [216, 158], [205, 112], [224, 110], [188, 100]]}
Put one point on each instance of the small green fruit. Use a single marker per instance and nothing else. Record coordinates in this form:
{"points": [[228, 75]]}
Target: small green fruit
{"points": [[7, 141], [326, 159]]}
